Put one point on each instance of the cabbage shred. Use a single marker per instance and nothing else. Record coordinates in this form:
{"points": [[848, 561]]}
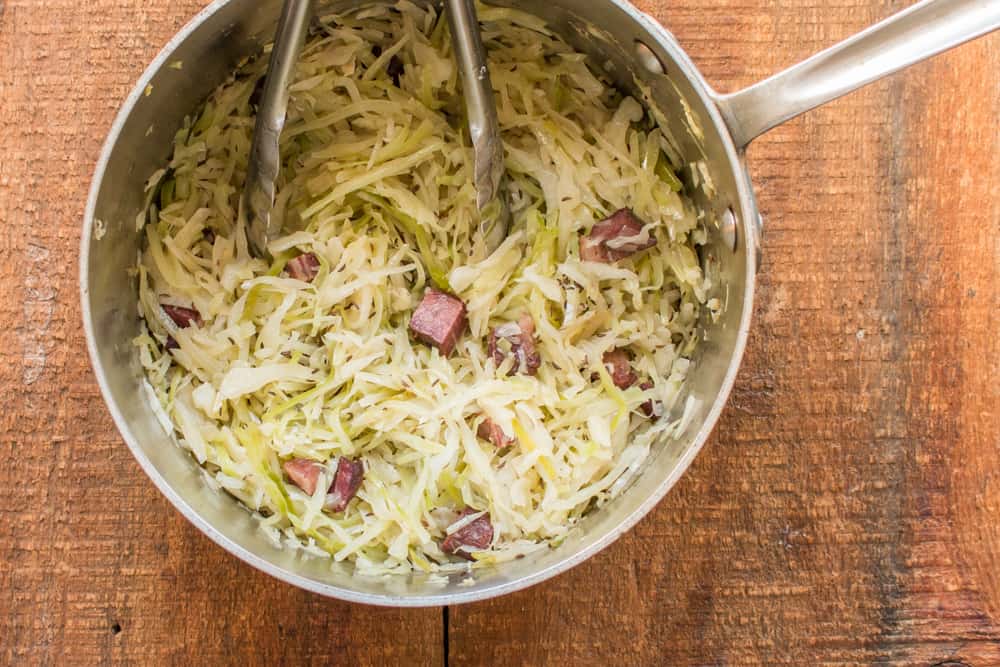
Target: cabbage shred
{"points": [[377, 183]]}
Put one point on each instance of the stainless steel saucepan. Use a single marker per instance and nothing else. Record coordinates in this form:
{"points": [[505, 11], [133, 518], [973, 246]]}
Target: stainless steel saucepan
{"points": [[711, 130]]}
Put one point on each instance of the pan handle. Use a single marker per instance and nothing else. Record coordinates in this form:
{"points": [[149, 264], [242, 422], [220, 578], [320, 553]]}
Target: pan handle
{"points": [[921, 31]]}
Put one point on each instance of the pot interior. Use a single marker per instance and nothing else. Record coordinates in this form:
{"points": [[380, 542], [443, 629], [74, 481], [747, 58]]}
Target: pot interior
{"points": [[196, 62]]}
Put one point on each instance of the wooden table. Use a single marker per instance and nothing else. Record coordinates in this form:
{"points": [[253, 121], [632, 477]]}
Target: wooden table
{"points": [[847, 510]]}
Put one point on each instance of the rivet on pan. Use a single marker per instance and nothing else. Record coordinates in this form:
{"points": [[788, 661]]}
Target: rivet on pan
{"points": [[728, 230], [649, 59]]}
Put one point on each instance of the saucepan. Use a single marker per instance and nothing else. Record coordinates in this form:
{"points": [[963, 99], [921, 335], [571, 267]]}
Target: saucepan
{"points": [[711, 132]]}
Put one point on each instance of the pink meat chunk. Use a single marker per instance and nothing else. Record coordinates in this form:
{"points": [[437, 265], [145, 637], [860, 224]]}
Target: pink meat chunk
{"points": [[620, 368], [475, 536], [517, 340], [346, 483], [650, 408], [304, 267], [490, 430], [439, 320], [615, 238], [182, 317], [303, 473]]}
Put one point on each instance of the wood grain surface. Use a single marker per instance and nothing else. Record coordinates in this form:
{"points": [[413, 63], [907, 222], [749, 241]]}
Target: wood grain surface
{"points": [[847, 510]]}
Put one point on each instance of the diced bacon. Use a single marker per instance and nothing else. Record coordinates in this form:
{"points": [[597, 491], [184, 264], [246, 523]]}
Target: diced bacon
{"points": [[474, 536], [490, 430], [439, 320], [516, 339], [304, 267], [303, 473], [182, 317], [346, 483], [620, 368], [171, 344], [614, 238], [650, 408]]}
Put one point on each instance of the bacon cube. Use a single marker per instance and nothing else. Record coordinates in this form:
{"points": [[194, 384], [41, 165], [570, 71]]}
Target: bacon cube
{"points": [[490, 430], [650, 408], [346, 483], [303, 473], [304, 267], [439, 320], [474, 536], [517, 340], [619, 367], [614, 238], [182, 317]]}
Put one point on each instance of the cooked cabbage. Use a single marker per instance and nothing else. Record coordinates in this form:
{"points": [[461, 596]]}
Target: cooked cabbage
{"points": [[377, 183]]}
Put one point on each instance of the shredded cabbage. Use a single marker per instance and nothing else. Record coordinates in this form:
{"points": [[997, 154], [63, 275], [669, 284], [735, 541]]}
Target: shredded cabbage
{"points": [[377, 183]]}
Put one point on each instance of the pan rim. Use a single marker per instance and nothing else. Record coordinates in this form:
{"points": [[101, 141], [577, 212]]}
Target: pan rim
{"points": [[747, 217]]}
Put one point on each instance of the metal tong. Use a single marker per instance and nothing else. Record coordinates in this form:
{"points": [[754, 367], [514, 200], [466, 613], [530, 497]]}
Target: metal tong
{"points": [[265, 157], [484, 129]]}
